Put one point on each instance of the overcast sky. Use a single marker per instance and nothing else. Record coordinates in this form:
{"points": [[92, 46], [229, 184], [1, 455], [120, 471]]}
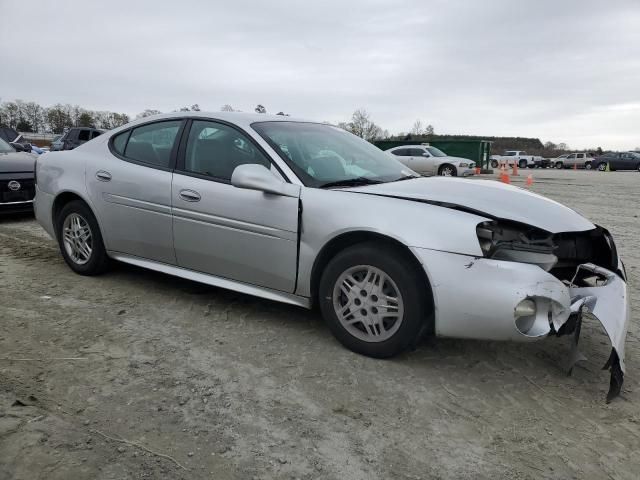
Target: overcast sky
{"points": [[563, 71]]}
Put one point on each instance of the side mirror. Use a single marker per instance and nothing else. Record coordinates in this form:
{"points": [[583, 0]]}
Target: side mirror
{"points": [[425, 154], [258, 177]]}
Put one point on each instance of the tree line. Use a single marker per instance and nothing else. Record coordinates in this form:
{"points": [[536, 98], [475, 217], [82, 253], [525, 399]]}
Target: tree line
{"points": [[33, 117]]}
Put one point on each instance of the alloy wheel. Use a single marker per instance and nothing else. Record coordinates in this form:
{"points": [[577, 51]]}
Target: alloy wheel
{"points": [[368, 303], [446, 172], [77, 238]]}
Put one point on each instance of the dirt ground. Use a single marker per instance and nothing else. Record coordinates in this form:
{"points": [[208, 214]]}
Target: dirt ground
{"points": [[135, 374]]}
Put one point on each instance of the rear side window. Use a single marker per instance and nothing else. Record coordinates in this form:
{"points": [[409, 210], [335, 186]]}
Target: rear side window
{"points": [[95, 133], [401, 152], [120, 141], [83, 135], [150, 144]]}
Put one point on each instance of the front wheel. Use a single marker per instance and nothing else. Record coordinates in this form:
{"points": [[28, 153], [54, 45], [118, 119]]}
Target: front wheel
{"points": [[559, 165], [494, 164], [80, 239], [373, 300], [602, 167], [522, 164], [447, 170]]}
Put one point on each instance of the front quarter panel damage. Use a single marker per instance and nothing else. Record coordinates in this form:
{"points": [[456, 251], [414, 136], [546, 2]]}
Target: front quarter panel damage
{"points": [[609, 303]]}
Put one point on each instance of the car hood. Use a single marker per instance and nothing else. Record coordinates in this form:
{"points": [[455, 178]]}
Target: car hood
{"points": [[455, 160], [486, 198], [17, 162]]}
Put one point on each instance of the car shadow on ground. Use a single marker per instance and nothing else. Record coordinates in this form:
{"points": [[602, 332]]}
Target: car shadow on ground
{"points": [[511, 362]]}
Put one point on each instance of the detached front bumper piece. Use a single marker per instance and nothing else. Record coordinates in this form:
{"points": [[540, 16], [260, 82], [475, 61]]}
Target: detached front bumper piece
{"points": [[609, 303], [483, 298]]}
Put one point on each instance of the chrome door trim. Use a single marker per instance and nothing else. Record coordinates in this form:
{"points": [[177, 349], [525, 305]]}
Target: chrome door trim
{"points": [[214, 281], [224, 222], [139, 204]]}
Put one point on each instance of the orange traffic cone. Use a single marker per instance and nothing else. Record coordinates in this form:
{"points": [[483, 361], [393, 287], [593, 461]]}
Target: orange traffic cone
{"points": [[515, 169], [575, 166], [478, 170], [529, 180], [504, 177]]}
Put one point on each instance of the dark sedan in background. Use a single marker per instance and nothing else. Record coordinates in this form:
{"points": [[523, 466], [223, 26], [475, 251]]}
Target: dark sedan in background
{"points": [[618, 161], [17, 187]]}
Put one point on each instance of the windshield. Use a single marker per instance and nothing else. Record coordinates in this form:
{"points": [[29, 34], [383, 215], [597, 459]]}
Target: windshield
{"points": [[436, 152], [5, 147], [322, 154]]}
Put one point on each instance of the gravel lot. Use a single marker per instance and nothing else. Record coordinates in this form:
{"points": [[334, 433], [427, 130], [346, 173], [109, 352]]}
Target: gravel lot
{"points": [[165, 378]]}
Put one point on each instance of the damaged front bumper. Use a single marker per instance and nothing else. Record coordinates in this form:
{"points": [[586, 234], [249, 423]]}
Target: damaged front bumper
{"points": [[609, 303], [505, 300]]}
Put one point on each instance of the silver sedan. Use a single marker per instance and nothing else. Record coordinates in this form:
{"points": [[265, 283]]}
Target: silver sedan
{"points": [[308, 214]]}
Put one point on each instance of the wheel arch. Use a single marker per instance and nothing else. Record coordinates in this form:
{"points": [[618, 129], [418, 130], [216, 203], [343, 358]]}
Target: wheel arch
{"points": [[447, 164], [348, 239], [65, 197]]}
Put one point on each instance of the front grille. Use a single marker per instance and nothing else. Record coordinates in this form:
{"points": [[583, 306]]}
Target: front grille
{"points": [[26, 191]]}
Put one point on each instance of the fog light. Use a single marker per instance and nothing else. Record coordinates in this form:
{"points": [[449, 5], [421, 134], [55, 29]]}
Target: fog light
{"points": [[525, 308]]}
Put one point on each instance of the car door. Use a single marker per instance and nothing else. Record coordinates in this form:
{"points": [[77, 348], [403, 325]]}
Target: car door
{"points": [[570, 161], [130, 187], [421, 161], [403, 155], [239, 234], [627, 161]]}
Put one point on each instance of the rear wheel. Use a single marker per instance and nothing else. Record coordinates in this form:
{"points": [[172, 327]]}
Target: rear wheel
{"points": [[373, 300], [522, 164], [588, 166], [80, 239], [447, 170], [559, 165], [494, 164], [602, 167]]}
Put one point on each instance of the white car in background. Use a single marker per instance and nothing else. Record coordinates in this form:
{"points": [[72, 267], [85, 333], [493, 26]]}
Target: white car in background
{"points": [[427, 160]]}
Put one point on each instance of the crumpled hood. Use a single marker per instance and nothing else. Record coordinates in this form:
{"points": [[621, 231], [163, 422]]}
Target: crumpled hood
{"points": [[17, 162], [491, 198]]}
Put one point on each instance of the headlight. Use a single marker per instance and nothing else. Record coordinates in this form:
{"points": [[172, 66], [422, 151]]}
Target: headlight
{"points": [[463, 164], [514, 242]]}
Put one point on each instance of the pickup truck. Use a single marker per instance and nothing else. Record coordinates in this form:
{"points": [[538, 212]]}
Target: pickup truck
{"points": [[516, 157]]}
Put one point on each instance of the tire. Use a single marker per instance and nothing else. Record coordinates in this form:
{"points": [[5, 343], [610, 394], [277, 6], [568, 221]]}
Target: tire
{"points": [[638, 167], [522, 164], [76, 218], [588, 166], [602, 167], [559, 165], [494, 164], [390, 335], [447, 170]]}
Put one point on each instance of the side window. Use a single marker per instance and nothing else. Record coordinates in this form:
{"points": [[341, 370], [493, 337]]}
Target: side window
{"points": [[152, 143], [95, 133], [572, 156], [120, 141], [83, 135], [215, 150], [401, 152], [416, 152]]}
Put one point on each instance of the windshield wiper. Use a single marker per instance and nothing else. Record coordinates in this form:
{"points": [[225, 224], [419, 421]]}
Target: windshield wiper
{"points": [[351, 182], [406, 177]]}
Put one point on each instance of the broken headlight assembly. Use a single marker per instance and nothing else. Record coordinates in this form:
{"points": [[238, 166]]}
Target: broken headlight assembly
{"points": [[513, 242]]}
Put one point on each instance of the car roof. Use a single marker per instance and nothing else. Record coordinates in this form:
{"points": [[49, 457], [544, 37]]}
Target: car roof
{"points": [[408, 146], [239, 118]]}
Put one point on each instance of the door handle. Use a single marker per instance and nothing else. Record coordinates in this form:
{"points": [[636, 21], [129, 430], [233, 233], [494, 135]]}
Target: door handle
{"points": [[103, 176], [189, 196]]}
